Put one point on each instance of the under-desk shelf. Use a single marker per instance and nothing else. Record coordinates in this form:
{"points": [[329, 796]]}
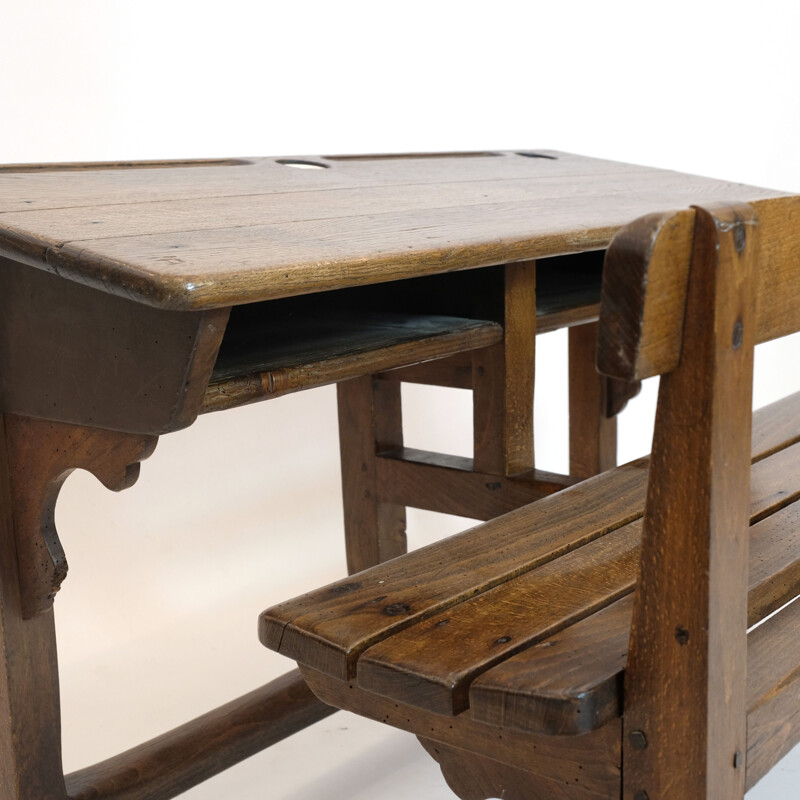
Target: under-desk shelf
{"points": [[285, 354]]}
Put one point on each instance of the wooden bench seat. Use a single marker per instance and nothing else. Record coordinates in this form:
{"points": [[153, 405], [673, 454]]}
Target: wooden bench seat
{"points": [[629, 613], [420, 629]]}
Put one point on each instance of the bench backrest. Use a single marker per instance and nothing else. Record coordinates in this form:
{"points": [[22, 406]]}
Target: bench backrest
{"points": [[645, 281], [686, 296]]}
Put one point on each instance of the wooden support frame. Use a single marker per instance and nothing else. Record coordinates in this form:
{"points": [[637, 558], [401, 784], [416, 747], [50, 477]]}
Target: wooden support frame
{"points": [[687, 662], [36, 456]]}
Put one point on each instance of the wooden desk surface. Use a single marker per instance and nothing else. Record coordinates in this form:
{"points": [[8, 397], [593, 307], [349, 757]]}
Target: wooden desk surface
{"points": [[206, 234]]}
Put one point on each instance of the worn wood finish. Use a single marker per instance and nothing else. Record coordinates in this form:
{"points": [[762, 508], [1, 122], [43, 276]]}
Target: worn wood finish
{"points": [[589, 762], [453, 372], [370, 420], [73, 354], [773, 691], [176, 761], [340, 349], [640, 331], [475, 777], [30, 730], [42, 455], [35, 458], [329, 628], [445, 572], [552, 688], [688, 653], [451, 485], [215, 236], [502, 381], [434, 662], [592, 432]]}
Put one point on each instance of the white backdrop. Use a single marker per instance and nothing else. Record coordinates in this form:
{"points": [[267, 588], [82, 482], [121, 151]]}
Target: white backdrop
{"points": [[157, 618]]}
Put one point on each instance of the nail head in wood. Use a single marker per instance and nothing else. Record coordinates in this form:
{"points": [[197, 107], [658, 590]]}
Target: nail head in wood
{"points": [[738, 334], [638, 740]]}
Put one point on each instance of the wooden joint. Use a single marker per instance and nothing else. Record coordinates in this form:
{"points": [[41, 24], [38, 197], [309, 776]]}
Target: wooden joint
{"points": [[41, 455]]}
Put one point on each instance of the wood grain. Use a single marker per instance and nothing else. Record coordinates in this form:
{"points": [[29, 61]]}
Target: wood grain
{"points": [[370, 419], [176, 761], [212, 236], [42, 455], [589, 762], [688, 653], [442, 574], [76, 355], [433, 663], [337, 350], [451, 485], [640, 331], [329, 628], [592, 432], [552, 687], [473, 776]]}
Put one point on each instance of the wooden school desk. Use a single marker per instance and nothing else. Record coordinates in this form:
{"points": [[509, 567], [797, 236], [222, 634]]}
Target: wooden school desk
{"points": [[134, 297]]}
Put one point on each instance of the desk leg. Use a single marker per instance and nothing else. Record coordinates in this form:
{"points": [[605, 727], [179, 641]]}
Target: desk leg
{"points": [[370, 421], [594, 402], [35, 459], [503, 381]]}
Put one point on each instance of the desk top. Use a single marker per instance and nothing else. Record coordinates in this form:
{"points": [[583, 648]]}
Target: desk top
{"points": [[206, 234]]}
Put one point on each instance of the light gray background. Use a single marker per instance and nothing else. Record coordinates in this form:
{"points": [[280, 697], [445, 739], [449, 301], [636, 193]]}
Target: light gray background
{"points": [[157, 618]]}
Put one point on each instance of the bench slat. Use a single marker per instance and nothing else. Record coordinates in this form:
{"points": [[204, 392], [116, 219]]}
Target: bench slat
{"points": [[329, 628], [553, 688], [773, 691], [433, 663]]}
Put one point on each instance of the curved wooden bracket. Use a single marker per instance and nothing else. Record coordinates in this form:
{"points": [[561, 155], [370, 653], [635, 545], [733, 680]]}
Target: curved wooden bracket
{"points": [[41, 456]]}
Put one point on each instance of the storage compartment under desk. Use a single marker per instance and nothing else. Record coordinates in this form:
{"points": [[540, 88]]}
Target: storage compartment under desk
{"points": [[279, 346]]}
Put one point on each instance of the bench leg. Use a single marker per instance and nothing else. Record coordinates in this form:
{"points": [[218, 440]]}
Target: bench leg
{"points": [[35, 459], [370, 420]]}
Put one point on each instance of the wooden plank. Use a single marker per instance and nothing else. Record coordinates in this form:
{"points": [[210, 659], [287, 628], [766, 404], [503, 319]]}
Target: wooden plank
{"points": [[640, 332], [433, 663], [592, 433], [263, 176], [773, 692], [76, 355], [176, 761], [552, 687], [291, 231], [454, 372], [567, 317], [590, 762], [370, 418], [30, 714], [473, 776], [686, 675], [776, 426], [336, 350], [450, 485], [330, 627], [503, 381]]}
